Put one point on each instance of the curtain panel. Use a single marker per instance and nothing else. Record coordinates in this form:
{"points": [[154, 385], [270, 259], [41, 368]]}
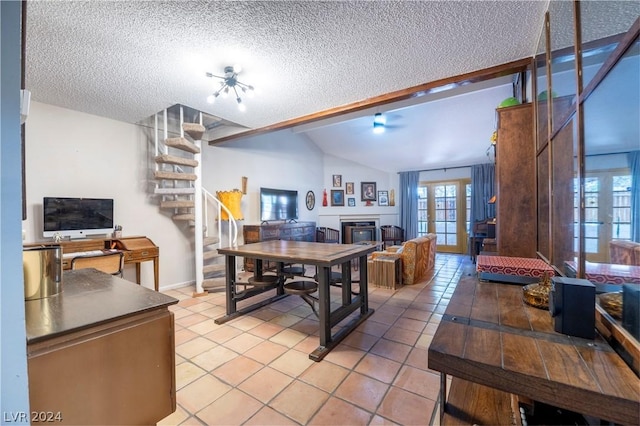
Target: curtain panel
{"points": [[482, 189], [634, 165], [409, 203]]}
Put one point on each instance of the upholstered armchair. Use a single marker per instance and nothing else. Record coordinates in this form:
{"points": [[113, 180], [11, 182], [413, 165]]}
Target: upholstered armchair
{"points": [[417, 255], [624, 252]]}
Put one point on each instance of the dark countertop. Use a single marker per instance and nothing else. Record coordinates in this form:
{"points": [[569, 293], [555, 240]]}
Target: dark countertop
{"points": [[88, 298]]}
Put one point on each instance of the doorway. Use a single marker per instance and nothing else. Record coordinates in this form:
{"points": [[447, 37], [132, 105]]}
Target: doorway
{"points": [[443, 210]]}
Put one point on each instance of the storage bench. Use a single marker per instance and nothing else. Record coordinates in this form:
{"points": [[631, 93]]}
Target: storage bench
{"points": [[606, 273], [517, 270]]}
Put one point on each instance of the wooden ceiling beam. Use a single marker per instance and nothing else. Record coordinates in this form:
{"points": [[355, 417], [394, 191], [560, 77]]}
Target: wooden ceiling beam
{"points": [[497, 71]]}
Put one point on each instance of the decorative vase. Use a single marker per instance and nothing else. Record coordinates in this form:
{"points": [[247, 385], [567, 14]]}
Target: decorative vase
{"points": [[537, 295]]}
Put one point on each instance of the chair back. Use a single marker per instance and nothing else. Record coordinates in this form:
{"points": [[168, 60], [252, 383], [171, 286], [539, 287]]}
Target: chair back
{"points": [[110, 263], [391, 234], [327, 235]]}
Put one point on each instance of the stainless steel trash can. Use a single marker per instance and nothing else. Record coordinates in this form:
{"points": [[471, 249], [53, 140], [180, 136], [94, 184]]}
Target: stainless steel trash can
{"points": [[42, 269]]}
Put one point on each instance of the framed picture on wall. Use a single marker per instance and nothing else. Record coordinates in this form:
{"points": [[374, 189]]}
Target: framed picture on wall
{"points": [[349, 188], [368, 191], [352, 201], [383, 198], [337, 197], [337, 181]]}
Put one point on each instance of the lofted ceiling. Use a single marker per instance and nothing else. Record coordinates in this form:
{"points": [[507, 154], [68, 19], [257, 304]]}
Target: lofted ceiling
{"points": [[129, 60]]}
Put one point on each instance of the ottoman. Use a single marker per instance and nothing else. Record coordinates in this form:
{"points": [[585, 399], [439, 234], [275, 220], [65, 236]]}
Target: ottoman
{"points": [[516, 270]]}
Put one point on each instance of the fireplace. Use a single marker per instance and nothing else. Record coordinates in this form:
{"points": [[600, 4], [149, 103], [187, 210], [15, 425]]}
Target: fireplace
{"points": [[354, 232]]}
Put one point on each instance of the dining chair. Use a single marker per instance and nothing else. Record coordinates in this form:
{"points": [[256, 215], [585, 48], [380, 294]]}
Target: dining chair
{"points": [[391, 234], [110, 262]]}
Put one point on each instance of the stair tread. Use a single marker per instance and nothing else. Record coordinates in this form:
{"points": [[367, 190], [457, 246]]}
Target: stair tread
{"points": [[184, 216], [160, 174], [207, 241], [194, 130], [176, 204], [183, 144], [174, 159], [174, 191], [213, 268], [210, 254], [213, 283]]}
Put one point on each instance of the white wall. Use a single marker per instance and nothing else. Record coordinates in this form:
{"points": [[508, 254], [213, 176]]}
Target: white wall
{"points": [[281, 160], [331, 216], [72, 154]]}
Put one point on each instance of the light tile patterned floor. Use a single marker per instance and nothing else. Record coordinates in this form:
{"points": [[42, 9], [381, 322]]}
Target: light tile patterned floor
{"points": [[255, 370]]}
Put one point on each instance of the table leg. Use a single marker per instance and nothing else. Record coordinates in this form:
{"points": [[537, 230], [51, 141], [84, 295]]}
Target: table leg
{"points": [[364, 285], [443, 395], [324, 302], [346, 283], [156, 275], [138, 272], [230, 265]]}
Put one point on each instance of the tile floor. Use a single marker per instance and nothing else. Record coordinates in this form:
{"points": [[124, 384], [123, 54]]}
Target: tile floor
{"points": [[255, 370]]}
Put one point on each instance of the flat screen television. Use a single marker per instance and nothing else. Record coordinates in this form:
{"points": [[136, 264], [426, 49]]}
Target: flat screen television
{"points": [[278, 204], [77, 217]]}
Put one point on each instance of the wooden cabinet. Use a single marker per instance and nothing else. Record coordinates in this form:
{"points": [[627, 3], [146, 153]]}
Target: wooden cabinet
{"points": [[516, 221], [295, 231], [101, 352]]}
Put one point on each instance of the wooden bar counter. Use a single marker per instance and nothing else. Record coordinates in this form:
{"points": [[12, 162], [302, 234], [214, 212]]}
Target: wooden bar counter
{"points": [[101, 352], [489, 336]]}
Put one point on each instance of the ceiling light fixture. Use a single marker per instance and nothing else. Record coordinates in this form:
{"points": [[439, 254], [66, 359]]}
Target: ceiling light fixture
{"points": [[378, 123], [230, 82]]}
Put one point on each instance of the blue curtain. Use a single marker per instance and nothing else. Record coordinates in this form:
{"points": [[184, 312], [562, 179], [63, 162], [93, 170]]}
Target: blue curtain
{"points": [[482, 189], [409, 203], [634, 165]]}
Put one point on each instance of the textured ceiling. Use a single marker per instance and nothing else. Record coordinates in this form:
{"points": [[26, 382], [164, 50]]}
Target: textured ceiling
{"points": [[127, 60]]}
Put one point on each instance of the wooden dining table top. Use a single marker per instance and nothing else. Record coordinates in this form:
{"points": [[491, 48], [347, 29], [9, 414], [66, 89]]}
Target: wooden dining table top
{"points": [[310, 253], [488, 335]]}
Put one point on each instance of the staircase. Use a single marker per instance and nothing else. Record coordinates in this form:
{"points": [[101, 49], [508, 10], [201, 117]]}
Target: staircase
{"points": [[179, 185]]}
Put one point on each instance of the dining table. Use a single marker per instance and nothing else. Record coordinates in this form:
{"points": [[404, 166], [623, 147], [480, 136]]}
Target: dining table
{"points": [[353, 308]]}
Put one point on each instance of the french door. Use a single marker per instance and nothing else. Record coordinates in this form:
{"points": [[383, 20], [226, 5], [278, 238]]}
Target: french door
{"points": [[442, 210], [607, 212]]}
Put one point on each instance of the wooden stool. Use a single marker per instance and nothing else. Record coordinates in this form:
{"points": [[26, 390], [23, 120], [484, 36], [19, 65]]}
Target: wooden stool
{"points": [[292, 271], [335, 280], [266, 281], [304, 290]]}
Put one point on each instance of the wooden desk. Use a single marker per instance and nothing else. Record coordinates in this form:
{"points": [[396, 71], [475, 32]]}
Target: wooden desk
{"points": [[323, 256], [101, 352], [489, 336], [136, 249]]}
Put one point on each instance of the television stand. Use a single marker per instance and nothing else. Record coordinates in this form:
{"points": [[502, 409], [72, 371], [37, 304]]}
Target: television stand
{"points": [[137, 249]]}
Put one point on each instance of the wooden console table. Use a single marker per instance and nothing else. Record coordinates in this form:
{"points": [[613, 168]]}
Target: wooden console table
{"points": [[489, 336], [136, 249], [101, 352]]}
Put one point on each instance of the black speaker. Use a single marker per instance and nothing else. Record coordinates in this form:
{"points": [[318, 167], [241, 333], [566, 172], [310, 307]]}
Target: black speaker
{"points": [[631, 309], [572, 304]]}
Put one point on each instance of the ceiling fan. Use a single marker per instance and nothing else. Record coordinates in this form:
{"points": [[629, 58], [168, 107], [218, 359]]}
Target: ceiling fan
{"points": [[381, 122]]}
